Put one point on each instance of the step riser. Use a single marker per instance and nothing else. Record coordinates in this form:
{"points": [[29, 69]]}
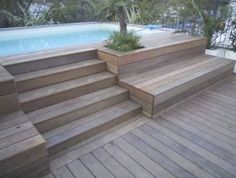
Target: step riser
{"points": [[50, 61], [78, 138], [81, 112], [66, 95], [34, 83]]}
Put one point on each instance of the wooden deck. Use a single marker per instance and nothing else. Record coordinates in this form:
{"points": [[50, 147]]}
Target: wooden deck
{"points": [[196, 138]]}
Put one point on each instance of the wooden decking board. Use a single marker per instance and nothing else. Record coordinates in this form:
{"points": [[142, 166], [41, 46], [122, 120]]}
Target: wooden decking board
{"points": [[209, 121], [37, 93], [204, 112], [68, 112], [222, 110], [220, 98], [15, 129], [229, 117], [63, 172], [185, 152], [15, 138], [11, 157], [159, 61], [198, 137], [135, 121], [221, 89], [79, 170], [188, 66], [184, 77], [216, 103], [92, 144], [49, 95], [106, 113], [49, 176], [53, 70], [142, 159], [119, 112], [139, 78], [184, 65], [44, 78], [95, 167], [199, 150], [38, 168], [172, 155], [79, 101], [147, 97], [158, 157], [111, 164], [206, 127], [231, 85], [12, 119], [136, 169]]}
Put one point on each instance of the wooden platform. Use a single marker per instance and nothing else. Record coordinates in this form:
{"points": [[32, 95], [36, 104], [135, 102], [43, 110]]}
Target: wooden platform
{"points": [[196, 138], [172, 81]]}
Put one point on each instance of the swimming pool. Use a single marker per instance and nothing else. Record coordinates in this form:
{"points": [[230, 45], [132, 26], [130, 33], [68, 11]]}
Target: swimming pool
{"points": [[27, 40]]}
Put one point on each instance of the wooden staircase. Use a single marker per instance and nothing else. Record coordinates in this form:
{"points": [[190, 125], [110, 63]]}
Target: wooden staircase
{"points": [[72, 102], [69, 98]]}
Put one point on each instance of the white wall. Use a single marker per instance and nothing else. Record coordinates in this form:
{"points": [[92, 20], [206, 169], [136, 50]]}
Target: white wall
{"points": [[223, 53]]}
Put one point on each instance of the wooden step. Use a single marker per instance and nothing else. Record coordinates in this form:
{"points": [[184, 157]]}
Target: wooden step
{"points": [[43, 60], [21, 147], [158, 89], [189, 83], [190, 76], [76, 131], [56, 115], [45, 77], [49, 95]]}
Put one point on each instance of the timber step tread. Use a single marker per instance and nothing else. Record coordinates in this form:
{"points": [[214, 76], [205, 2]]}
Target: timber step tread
{"points": [[177, 76], [167, 67], [58, 69], [74, 107], [63, 86], [89, 125], [186, 76]]}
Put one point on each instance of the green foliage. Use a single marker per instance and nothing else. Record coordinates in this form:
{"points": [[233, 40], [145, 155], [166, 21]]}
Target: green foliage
{"points": [[117, 9], [72, 11], [208, 15], [22, 16], [233, 35], [149, 12], [123, 43]]}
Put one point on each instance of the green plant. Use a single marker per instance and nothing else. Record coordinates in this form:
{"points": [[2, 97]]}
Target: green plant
{"points": [[124, 43], [22, 16], [114, 9]]}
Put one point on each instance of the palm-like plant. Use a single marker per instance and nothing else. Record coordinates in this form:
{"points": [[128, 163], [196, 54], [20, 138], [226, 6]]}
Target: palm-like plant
{"points": [[118, 8]]}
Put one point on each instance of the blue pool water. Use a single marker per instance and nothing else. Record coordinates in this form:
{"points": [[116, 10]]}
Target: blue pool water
{"points": [[27, 40], [32, 44]]}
